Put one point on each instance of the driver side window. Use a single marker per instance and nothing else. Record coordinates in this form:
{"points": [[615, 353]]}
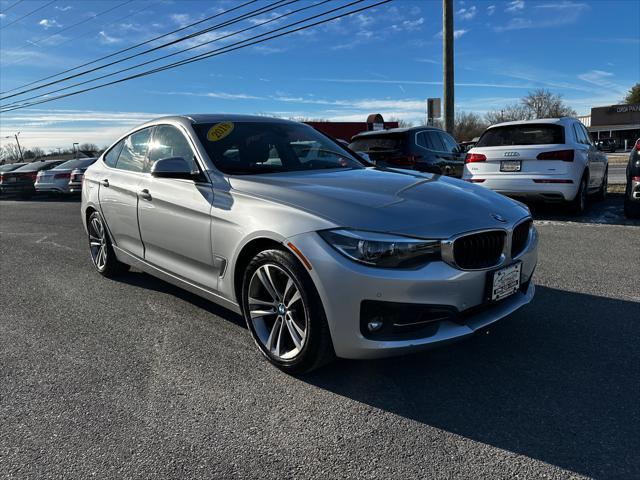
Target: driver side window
{"points": [[169, 142]]}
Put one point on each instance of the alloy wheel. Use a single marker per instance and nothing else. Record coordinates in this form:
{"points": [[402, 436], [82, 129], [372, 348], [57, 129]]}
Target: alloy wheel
{"points": [[278, 312], [98, 243]]}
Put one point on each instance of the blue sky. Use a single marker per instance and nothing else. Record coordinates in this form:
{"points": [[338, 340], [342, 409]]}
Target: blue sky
{"points": [[385, 60]]}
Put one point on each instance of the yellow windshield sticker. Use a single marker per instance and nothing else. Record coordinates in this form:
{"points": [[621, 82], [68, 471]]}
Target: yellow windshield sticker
{"points": [[219, 131]]}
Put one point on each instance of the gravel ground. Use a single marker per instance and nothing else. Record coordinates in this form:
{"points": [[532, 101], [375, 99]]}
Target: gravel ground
{"points": [[136, 378]]}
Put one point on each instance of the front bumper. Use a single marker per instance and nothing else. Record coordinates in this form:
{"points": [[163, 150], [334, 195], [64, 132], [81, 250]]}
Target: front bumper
{"points": [[343, 285], [525, 187]]}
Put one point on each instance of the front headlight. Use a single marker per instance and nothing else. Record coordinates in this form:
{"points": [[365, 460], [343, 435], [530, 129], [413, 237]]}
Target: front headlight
{"points": [[381, 249]]}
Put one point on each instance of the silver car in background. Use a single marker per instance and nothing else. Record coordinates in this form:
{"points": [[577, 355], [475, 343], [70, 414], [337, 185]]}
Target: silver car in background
{"points": [[322, 254], [57, 179]]}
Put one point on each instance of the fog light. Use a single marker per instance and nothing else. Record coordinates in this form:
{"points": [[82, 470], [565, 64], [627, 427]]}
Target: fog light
{"points": [[374, 325]]}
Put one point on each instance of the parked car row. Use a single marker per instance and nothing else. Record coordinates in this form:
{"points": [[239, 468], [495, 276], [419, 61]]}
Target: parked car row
{"points": [[46, 176], [551, 160]]}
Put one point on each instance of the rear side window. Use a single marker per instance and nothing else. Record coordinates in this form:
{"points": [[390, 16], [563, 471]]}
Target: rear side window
{"points": [[433, 141], [134, 151], [111, 157], [450, 144], [378, 143], [529, 134]]}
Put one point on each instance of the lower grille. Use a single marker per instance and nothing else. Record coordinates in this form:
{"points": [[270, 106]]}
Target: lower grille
{"points": [[519, 238], [479, 250]]}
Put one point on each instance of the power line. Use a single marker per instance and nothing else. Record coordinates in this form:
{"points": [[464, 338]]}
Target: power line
{"points": [[259, 11], [28, 14], [83, 34], [134, 46], [279, 17], [11, 6], [92, 17], [203, 56]]}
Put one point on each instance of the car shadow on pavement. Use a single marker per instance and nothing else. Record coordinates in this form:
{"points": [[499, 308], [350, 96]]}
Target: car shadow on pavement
{"points": [[146, 281], [558, 381], [607, 212]]}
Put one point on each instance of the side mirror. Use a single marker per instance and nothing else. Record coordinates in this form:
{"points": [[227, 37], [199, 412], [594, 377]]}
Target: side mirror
{"points": [[173, 167]]}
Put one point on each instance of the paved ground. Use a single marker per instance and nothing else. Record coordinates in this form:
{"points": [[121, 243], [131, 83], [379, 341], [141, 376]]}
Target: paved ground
{"points": [[135, 378], [618, 174]]}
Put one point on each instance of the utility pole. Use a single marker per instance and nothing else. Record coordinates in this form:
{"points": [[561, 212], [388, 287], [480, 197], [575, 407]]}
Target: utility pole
{"points": [[19, 147], [447, 64], [75, 150]]}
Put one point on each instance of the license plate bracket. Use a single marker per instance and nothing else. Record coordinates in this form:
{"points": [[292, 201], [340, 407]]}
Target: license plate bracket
{"points": [[503, 282], [510, 165]]}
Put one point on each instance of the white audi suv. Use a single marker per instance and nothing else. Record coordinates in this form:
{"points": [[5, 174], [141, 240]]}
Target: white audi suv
{"points": [[546, 159]]}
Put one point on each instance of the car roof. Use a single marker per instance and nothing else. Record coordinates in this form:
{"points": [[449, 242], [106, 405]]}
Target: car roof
{"points": [[222, 117], [551, 121], [396, 130]]}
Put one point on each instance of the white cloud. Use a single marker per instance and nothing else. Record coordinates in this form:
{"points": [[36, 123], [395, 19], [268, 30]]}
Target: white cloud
{"points": [[602, 79], [562, 5], [408, 25], [456, 33], [491, 9], [2, 15], [107, 40], [181, 19], [467, 13], [48, 23], [63, 9], [515, 6]]}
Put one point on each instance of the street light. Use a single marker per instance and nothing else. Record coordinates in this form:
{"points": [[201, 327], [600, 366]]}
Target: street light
{"points": [[75, 150]]}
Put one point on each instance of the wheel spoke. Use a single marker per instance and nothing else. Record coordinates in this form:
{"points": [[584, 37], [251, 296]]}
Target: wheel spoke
{"points": [[261, 312], [286, 289], [265, 278], [294, 299], [295, 336], [275, 333], [300, 331]]}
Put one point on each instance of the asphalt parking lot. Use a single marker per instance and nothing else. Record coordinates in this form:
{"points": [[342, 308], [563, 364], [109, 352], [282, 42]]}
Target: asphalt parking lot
{"points": [[135, 378]]}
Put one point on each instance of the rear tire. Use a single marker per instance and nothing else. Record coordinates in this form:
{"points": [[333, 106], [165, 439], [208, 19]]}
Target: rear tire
{"points": [[579, 203], [102, 255], [285, 314]]}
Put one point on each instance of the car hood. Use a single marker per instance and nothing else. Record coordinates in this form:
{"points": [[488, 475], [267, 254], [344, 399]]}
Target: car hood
{"points": [[387, 200]]}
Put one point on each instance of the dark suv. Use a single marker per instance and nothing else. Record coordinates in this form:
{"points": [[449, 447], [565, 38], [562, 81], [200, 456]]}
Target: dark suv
{"points": [[426, 149], [607, 144], [632, 192]]}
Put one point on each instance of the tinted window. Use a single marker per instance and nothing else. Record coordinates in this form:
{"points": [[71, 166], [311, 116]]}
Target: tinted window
{"points": [[267, 147], [587, 138], [134, 151], [111, 157], [434, 141], [530, 134], [450, 144], [378, 143], [37, 166], [76, 163], [169, 142]]}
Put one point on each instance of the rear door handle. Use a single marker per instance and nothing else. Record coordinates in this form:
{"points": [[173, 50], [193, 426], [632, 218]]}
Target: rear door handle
{"points": [[105, 182], [144, 194]]}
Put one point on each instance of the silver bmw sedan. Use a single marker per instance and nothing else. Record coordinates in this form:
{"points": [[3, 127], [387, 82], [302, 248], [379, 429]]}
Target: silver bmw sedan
{"points": [[322, 253]]}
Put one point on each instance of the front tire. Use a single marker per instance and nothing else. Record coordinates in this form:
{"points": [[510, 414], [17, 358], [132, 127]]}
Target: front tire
{"points": [[102, 255], [284, 313]]}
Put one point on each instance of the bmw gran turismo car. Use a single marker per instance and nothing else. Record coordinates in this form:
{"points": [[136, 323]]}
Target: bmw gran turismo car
{"points": [[322, 254], [552, 160]]}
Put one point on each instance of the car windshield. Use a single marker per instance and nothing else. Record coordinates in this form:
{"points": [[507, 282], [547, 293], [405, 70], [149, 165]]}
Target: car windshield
{"points": [[378, 143], [75, 163], [529, 134], [238, 148]]}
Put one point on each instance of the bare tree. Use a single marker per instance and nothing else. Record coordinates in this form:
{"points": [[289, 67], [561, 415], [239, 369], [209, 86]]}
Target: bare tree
{"points": [[544, 104], [401, 123], [10, 153], [88, 147], [509, 113], [468, 125]]}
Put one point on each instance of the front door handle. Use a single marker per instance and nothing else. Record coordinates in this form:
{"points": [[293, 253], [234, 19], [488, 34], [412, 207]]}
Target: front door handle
{"points": [[105, 182], [144, 194]]}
